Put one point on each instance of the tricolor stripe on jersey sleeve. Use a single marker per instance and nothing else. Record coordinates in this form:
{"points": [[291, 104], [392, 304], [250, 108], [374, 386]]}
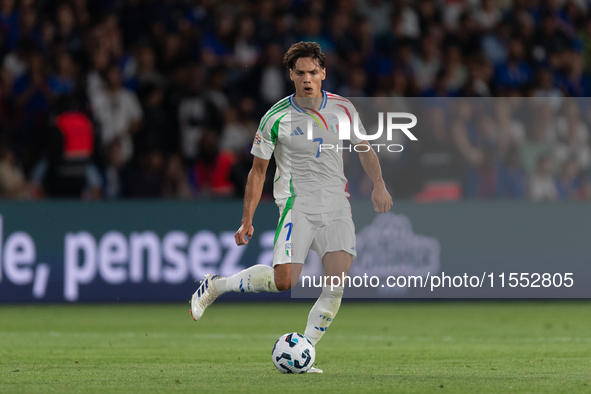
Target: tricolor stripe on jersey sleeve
{"points": [[332, 96], [280, 106], [275, 129], [268, 131]]}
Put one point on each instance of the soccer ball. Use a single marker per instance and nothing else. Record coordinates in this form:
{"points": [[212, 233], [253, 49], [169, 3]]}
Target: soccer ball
{"points": [[293, 353]]}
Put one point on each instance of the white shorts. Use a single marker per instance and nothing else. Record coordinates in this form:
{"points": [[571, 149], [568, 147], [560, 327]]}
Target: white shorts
{"points": [[297, 232]]}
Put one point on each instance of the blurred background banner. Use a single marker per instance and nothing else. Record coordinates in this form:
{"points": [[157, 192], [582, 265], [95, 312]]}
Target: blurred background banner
{"points": [[60, 251], [127, 251]]}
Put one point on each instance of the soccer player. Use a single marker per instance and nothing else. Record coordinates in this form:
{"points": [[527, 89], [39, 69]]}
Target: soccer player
{"points": [[310, 190]]}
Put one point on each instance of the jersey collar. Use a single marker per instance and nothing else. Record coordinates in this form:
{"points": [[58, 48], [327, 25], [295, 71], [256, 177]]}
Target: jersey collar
{"points": [[300, 109]]}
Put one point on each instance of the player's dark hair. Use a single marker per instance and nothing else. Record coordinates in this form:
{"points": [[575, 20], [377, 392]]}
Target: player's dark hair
{"points": [[304, 49]]}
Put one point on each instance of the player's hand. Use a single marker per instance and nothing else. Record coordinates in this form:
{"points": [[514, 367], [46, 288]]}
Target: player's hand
{"points": [[381, 199], [243, 234]]}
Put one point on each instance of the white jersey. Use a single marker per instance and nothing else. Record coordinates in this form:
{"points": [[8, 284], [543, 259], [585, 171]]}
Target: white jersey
{"points": [[307, 179]]}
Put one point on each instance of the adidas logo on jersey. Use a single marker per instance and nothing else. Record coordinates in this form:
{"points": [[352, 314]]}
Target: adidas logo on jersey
{"points": [[297, 131]]}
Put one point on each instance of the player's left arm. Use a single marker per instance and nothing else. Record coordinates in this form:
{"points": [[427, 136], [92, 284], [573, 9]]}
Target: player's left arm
{"points": [[381, 199]]}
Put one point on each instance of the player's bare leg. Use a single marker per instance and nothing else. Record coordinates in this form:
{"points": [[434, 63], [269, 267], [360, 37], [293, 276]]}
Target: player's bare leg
{"points": [[287, 275]]}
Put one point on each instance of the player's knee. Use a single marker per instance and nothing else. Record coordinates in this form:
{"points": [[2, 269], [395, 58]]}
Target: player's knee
{"points": [[282, 283]]}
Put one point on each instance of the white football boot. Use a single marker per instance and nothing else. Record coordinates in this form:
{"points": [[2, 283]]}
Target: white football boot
{"points": [[314, 370], [205, 295]]}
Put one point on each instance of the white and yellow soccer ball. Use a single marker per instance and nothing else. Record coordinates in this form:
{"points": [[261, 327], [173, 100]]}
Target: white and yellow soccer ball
{"points": [[293, 353]]}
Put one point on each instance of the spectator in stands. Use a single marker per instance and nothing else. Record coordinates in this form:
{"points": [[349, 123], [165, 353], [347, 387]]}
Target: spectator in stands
{"points": [[515, 73], [495, 43], [27, 28], [235, 136], [478, 78], [124, 59], [549, 37], [512, 179], [155, 129], [428, 64], [212, 169], [484, 155], [377, 12], [12, 179], [66, 169], [31, 99], [7, 126], [568, 182], [542, 185], [172, 54], [404, 59], [468, 37], [546, 92], [196, 113], [535, 146], [16, 61], [400, 85], [570, 121], [246, 51], [63, 80], [99, 62], [81, 13], [586, 186], [585, 35], [312, 31], [356, 84], [67, 32], [486, 182], [465, 133], [31, 91], [135, 13], [511, 132], [146, 175], [430, 19], [117, 112], [48, 41], [115, 172], [216, 89], [574, 81], [574, 141], [488, 15], [436, 167], [176, 184], [147, 73], [439, 88], [268, 81], [217, 44], [8, 22], [456, 73]]}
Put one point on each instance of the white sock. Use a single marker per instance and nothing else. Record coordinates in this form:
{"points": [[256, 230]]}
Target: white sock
{"points": [[251, 280], [323, 313]]}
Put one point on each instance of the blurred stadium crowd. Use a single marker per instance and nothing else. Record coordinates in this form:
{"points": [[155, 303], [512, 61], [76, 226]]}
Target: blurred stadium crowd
{"points": [[161, 98]]}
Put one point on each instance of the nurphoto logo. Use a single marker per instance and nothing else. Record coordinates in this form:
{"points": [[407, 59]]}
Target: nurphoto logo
{"points": [[341, 121]]}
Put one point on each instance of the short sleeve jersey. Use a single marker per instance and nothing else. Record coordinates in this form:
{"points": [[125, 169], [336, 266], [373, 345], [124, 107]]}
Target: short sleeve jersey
{"points": [[309, 175]]}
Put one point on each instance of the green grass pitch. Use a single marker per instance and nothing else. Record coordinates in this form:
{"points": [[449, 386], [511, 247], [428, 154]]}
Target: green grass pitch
{"points": [[415, 347]]}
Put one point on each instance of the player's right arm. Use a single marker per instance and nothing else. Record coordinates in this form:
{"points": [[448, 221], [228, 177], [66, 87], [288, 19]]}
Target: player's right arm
{"points": [[252, 196], [262, 150]]}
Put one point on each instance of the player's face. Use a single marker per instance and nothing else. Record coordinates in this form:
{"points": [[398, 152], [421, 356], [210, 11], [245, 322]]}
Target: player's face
{"points": [[307, 77]]}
